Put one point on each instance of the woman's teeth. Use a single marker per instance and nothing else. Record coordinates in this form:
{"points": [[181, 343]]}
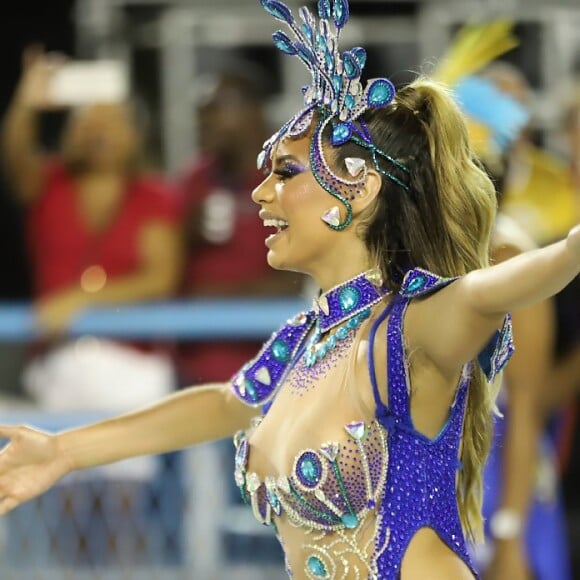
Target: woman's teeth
{"points": [[278, 224]]}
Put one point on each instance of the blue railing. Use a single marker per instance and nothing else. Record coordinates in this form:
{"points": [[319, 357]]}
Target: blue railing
{"points": [[185, 320], [46, 536]]}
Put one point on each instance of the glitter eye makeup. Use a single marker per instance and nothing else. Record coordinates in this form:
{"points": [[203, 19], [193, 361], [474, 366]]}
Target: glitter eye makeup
{"points": [[287, 167]]}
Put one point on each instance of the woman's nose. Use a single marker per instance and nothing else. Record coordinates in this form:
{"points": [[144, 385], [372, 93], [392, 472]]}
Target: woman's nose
{"points": [[264, 193]]}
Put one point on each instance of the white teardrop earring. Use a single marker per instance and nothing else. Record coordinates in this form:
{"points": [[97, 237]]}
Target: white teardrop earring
{"points": [[331, 217], [354, 165]]}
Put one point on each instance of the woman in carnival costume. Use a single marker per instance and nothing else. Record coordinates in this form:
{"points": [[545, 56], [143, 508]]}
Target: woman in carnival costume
{"points": [[364, 437]]}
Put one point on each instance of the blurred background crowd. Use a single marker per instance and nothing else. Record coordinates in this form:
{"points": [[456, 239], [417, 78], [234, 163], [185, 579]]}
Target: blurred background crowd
{"points": [[129, 135]]}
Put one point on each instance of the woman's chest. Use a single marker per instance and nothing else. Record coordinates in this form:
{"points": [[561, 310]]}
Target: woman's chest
{"points": [[317, 457], [311, 407]]}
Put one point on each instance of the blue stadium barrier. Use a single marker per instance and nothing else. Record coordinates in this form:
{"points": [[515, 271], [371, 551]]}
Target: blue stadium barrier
{"points": [[70, 527], [187, 320]]}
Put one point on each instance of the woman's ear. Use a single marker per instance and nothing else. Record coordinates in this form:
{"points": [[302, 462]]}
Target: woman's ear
{"points": [[369, 192]]}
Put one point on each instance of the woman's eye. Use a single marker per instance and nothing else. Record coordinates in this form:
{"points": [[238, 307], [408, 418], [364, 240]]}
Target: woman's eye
{"points": [[285, 173]]}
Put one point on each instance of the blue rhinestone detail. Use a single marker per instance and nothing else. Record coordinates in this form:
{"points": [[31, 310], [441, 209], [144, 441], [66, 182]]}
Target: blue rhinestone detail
{"points": [[250, 389], [349, 298], [380, 93], [309, 469], [350, 521], [340, 134], [280, 351], [274, 501], [317, 567], [417, 283]]}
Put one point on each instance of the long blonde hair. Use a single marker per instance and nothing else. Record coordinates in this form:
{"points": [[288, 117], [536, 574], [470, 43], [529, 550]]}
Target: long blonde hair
{"points": [[443, 224]]}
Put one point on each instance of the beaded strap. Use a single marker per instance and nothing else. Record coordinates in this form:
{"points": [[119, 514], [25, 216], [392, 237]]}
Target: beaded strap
{"points": [[497, 353]]}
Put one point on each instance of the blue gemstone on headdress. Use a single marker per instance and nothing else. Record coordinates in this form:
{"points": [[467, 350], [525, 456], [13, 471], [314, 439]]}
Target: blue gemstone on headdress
{"points": [[324, 9], [316, 567], [307, 29], [340, 13], [349, 298], [351, 66], [360, 54], [278, 10], [280, 351], [350, 521], [304, 53], [329, 61], [341, 133], [349, 101], [380, 93], [284, 43]]}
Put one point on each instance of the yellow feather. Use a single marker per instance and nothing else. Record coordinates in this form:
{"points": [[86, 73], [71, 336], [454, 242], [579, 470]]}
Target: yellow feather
{"points": [[474, 47]]}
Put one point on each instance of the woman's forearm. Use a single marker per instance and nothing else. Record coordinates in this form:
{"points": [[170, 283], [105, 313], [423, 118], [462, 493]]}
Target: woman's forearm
{"points": [[525, 279], [21, 155], [19, 131], [194, 415]]}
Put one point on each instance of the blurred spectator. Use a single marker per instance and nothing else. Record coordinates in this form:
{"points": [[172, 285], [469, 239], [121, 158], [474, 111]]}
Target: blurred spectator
{"points": [[538, 191], [100, 230], [566, 387], [525, 523], [226, 255]]}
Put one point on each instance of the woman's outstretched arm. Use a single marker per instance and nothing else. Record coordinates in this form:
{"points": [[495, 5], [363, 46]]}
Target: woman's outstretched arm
{"points": [[453, 325], [33, 461]]}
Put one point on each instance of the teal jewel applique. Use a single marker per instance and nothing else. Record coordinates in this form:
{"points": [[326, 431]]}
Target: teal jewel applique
{"points": [[350, 521], [349, 298], [280, 351], [309, 470], [380, 93], [250, 388], [317, 567], [341, 133], [316, 352], [274, 501], [417, 284]]}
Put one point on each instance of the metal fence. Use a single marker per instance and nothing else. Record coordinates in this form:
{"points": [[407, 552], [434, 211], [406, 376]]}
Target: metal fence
{"points": [[171, 517]]}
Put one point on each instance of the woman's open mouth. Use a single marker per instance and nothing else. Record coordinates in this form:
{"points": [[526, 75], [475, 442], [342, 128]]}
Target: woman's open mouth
{"points": [[280, 225]]}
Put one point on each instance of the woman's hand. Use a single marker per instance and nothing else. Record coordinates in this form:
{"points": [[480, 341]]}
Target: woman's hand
{"points": [[38, 70], [30, 464]]}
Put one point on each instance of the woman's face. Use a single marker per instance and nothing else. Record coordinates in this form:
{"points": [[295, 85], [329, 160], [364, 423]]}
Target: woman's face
{"points": [[292, 203], [102, 137]]}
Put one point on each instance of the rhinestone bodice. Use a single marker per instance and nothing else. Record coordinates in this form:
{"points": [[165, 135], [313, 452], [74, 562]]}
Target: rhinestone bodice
{"points": [[360, 498], [330, 487]]}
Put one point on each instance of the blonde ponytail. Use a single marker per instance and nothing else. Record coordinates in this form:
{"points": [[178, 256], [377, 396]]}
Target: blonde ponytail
{"points": [[442, 223]]}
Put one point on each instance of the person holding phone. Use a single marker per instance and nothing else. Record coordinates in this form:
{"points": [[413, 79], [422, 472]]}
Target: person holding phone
{"points": [[101, 230]]}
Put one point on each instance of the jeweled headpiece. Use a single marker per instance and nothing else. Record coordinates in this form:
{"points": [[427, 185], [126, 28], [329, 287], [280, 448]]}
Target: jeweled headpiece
{"points": [[335, 94]]}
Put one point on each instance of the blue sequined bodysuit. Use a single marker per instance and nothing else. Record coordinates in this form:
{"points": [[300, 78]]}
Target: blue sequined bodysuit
{"points": [[362, 498]]}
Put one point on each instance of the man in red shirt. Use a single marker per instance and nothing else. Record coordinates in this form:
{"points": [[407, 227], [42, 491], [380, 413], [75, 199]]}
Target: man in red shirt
{"points": [[226, 255]]}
